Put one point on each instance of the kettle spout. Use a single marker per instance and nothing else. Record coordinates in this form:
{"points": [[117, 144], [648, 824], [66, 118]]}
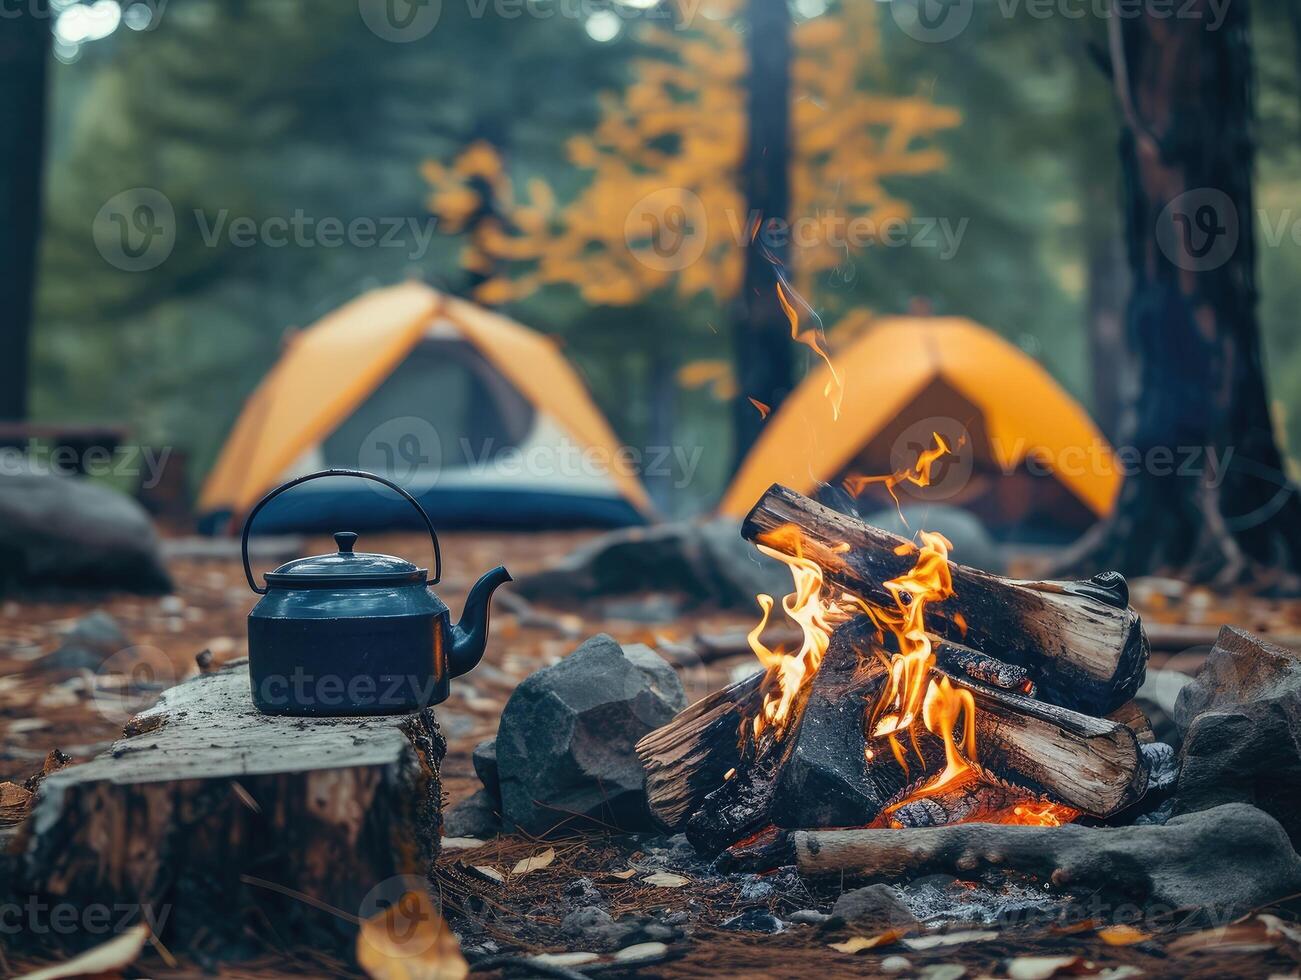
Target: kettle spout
{"points": [[470, 635]]}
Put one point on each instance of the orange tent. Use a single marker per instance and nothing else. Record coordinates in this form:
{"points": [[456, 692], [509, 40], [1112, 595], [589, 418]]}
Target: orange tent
{"points": [[1027, 452], [354, 370]]}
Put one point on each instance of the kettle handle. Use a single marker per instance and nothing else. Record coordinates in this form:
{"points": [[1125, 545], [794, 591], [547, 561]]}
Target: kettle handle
{"points": [[361, 474]]}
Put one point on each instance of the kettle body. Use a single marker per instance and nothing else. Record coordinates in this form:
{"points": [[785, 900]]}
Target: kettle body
{"points": [[354, 633]]}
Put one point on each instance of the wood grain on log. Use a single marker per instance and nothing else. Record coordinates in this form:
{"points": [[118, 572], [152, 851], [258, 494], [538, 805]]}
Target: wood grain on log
{"points": [[1082, 643], [205, 793]]}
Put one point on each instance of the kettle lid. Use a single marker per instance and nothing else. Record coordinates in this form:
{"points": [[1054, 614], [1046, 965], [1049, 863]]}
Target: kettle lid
{"points": [[346, 569]]}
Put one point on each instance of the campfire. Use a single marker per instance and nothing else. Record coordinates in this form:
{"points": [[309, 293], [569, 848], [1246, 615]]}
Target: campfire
{"points": [[922, 693]]}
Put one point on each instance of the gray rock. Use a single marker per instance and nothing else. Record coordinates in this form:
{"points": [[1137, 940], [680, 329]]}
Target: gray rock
{"points": [[71, 533], [808, 917], [1241, 718], [477, 816], [484, 758], [754, 920], [755, 889], [704, 561], [874, 908], [594, 928], [566, 744], [972, 543], [91, 640], [585, 891]]}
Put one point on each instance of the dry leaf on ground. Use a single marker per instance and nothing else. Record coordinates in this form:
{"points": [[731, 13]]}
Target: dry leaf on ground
{"points": [[1043, 967], [410, 941], [1255, 935], [490, 871], [1123, 935], [663, 879], [949, 939], [534, 863], [856, 944], [110, 957]]}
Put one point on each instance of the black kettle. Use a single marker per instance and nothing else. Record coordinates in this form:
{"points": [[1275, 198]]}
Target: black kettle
{"points": [[354, 633]]}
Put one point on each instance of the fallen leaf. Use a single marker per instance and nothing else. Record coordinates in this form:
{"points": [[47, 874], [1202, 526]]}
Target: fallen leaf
{"points": [[461, 843], [1257, 934], [1043, 967], [621, 875], [856, 944], [949, 939], [942, 971], [641, 952], [1123, 935], [663, 879], [1274, 926], [410, 941], [535, 863], [564, 959], [110, 957], [491, 872], [1120, 972]]}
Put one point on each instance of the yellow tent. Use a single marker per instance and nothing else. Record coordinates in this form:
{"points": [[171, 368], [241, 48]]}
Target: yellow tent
{"points": [[1029, 454], [502, 428]]}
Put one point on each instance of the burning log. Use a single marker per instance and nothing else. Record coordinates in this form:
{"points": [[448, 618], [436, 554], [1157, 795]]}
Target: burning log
{"points": [[1083, 646], [818, 774]]}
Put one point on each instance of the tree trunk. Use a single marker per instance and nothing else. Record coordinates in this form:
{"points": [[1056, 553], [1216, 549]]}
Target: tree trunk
{"points": [[1205, 495], [24, 50], [762, 336]]}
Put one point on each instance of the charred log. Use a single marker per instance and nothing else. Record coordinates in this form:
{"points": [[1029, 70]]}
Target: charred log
{"points": [[707, 775], [1081, 642]]}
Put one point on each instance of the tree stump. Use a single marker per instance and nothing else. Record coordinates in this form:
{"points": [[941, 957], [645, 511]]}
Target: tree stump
{"points": [[220, 823]]}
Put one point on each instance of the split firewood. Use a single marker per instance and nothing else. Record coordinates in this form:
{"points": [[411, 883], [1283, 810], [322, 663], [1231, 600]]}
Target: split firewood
{"points": [[687, 759], [285, 815], [1081, 642], [826, 774]]}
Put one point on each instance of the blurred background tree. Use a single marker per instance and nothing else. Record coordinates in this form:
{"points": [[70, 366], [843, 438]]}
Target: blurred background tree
{"points": [[261, 109], [687, 162], [24, 54]]}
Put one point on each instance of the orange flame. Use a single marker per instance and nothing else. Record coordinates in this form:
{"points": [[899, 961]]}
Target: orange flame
{"points": [[915, 696], [918, 474], [817, 618], [834, 389]]}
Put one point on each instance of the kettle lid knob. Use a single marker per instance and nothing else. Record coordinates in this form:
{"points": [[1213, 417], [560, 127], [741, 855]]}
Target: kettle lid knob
{"points": [[345, 540]]}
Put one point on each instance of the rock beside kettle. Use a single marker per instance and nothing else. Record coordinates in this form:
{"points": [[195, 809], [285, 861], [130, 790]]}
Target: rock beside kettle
{"points": [[65, 532], [565, 749]]}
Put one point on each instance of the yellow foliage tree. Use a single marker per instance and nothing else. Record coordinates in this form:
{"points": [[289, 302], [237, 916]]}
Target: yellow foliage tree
{"points": [[663, 208]]}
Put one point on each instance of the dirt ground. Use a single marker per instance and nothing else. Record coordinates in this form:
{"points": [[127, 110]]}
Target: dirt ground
{"points": [[43, 709]]}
